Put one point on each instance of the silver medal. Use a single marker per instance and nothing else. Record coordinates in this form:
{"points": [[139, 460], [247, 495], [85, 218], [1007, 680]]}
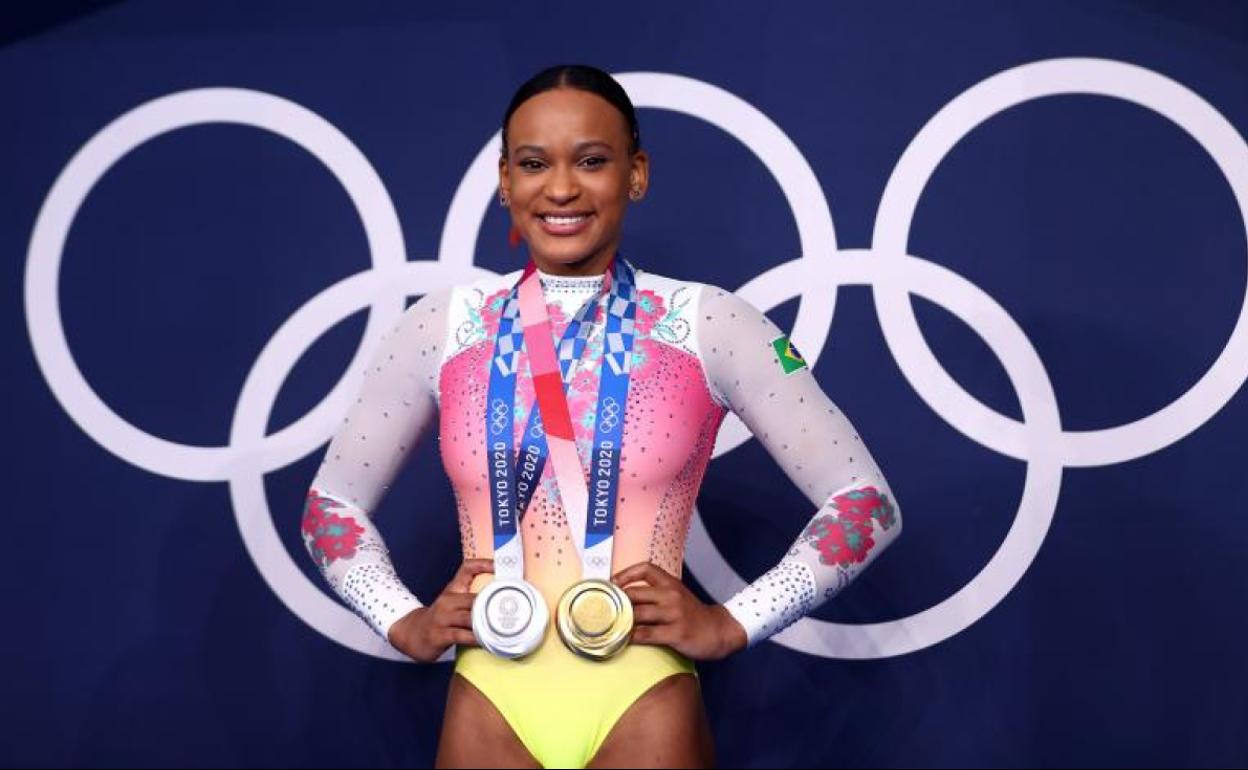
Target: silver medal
{"points": [[509, 617]]}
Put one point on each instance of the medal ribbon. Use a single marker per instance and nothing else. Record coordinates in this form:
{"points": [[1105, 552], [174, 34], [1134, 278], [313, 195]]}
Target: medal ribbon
{"points": [[598, 524], [511, 488]]}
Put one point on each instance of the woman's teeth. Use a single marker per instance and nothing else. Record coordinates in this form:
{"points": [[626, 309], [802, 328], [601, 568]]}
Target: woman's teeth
{"points": [[565, 220]]}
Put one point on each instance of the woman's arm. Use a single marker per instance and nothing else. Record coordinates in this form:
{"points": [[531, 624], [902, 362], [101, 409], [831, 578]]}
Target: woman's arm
{"points": [[753, 371], [395, 407]]}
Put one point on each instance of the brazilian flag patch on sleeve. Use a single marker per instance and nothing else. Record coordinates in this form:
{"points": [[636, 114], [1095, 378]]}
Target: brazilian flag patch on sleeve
{"points": [[790, 359]]}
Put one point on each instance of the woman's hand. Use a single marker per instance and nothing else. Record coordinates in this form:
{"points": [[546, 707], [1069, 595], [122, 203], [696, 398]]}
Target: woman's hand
{"points": [[424, 633], [665, 612]]}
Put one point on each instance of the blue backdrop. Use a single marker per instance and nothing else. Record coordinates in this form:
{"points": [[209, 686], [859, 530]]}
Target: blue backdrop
{"points": [[1070, 586]]}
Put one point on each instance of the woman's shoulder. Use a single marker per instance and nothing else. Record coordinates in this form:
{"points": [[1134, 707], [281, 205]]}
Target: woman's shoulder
{"points": [[471, 310], [666, 309], [664, 284], [699, 291], [466, 300], [701, 304], [485, 285]]}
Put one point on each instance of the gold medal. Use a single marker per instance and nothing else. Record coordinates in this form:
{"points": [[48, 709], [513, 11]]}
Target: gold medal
{"points": [[595, 618]]}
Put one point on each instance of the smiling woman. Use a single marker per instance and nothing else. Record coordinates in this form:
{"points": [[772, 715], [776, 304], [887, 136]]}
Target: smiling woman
{"points": [[578, 649], [569, 166]]}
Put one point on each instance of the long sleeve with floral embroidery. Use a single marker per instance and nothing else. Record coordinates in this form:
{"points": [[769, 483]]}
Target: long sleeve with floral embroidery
{"points": [[754, 370], [397, 405]]}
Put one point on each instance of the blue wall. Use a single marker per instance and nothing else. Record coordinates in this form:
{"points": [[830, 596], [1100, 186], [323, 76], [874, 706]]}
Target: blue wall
{"points": [[1083, 244]]}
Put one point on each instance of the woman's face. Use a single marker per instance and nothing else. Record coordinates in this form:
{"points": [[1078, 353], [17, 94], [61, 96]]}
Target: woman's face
{"points": [[567, 177]]}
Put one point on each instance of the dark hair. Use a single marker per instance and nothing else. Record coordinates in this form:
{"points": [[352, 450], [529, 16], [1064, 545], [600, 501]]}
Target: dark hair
{"points": [[584, 78]]}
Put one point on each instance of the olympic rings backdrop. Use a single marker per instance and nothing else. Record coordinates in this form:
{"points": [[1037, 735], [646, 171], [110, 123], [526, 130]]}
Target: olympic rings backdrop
{"points": [[1011, 239]]}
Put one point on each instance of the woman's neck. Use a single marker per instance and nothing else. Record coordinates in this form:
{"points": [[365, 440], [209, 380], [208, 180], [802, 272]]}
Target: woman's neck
{"points": [[594, 264]]}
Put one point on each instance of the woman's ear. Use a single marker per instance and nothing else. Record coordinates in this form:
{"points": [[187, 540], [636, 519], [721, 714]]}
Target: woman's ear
{"points": [[639, 175], [504, 181]]}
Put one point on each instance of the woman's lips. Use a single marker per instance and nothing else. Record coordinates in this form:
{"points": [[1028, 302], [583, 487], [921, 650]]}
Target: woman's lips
{"points": [[564, 224]]}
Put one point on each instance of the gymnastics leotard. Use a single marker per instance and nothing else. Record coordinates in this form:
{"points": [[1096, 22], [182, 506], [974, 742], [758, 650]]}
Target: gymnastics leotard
{"points": [[699, 352]]}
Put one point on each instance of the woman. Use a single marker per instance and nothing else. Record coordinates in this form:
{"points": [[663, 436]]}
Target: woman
{"points": [[681, 354]]}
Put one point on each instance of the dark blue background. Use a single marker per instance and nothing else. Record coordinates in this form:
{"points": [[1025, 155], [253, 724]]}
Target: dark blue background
{"points": [[138, 631]]}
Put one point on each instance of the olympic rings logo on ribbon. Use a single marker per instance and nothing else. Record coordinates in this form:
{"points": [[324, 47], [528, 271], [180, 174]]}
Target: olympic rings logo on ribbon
{"points": [[814, 276], [498, 416], [610, 414]]}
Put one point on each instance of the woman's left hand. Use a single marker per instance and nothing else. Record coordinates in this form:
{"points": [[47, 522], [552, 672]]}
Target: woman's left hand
{"points": [[667, 613]]}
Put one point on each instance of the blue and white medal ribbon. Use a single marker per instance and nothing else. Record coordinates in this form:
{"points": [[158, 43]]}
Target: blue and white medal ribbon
{"points": [[604, 464], [509, 616]]}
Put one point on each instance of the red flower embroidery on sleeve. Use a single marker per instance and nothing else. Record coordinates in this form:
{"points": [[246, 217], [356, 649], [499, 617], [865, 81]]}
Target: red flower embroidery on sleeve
{"points": [[845, 537], [331, 536]]}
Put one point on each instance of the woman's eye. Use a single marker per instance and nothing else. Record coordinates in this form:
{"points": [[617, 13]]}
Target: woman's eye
{"points": [[593, 161], [530, 164]]}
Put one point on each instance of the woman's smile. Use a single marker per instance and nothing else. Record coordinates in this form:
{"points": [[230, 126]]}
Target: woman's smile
{"points": [[565, 223]]}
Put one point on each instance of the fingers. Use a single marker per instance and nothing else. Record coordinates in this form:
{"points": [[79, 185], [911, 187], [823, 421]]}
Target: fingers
{"points": [[646, 571], [658, 635], [640, 594], [456, 601], [448, 636], [653, 613], [466, 572], [457, 618], [450, 621], [643, 594], [448, 626]]}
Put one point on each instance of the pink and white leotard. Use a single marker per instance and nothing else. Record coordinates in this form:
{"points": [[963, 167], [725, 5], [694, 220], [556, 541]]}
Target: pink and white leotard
{"points": [[700, 352]]}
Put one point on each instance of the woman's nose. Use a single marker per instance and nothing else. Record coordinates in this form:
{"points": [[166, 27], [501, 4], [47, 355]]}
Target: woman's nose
{"points": [[561, 185]]}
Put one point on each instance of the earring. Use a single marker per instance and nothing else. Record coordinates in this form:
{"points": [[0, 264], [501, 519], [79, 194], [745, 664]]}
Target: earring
{"points": [[634, 194], [502, 199]]}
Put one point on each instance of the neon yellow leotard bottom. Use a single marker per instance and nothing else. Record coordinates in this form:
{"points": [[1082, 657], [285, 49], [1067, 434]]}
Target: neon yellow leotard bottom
{"points": [[562, 706]]}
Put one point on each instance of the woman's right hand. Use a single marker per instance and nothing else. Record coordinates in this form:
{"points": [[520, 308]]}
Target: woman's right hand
{"points": [[424, 633]]}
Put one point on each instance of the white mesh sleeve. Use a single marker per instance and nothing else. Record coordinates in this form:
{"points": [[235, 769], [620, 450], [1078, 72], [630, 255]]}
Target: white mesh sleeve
{"points": [[395, 407], [753, 371]]}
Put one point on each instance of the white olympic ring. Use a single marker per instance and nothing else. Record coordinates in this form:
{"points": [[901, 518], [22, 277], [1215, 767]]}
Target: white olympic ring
{"points": [[814, 276]]}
